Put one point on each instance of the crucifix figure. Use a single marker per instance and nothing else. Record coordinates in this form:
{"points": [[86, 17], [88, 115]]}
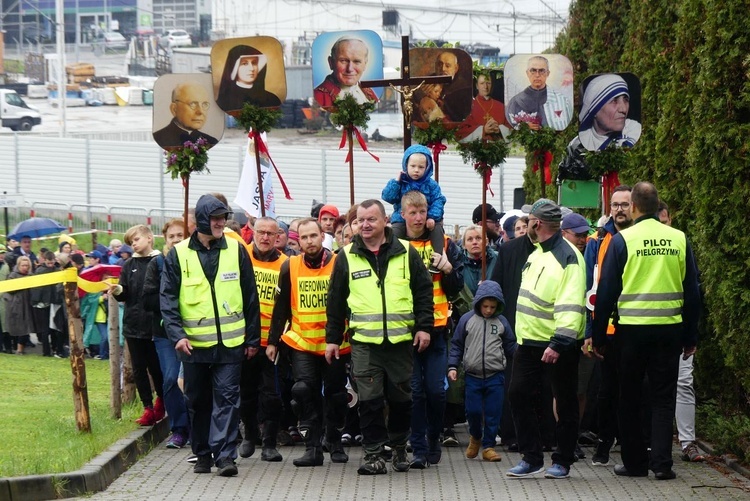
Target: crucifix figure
{"points": [[407, 92], [407, 87]]}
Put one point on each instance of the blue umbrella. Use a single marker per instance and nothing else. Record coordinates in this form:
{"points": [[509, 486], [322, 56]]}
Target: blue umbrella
{"points": [[36, 227]]}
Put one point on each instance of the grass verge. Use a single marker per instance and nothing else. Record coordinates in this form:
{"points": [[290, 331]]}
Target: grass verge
{"points": [[39, 434]]}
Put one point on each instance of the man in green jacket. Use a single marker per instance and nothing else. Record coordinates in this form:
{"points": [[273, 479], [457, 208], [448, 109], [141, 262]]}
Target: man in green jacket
{"points": [[549, 323]]}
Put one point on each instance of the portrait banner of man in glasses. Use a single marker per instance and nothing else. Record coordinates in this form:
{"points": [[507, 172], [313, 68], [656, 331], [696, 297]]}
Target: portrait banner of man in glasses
{"points": [[539, 91], [185, 110]]}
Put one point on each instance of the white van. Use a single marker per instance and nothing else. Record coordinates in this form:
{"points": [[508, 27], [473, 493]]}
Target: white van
{"points": [[15, 113]]}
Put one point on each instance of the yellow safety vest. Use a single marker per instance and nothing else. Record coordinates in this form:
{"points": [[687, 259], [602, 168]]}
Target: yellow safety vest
{"points": [[652, 292], [204, 319], [309, 296], [266, 281], [387, 314], [439, 299]]}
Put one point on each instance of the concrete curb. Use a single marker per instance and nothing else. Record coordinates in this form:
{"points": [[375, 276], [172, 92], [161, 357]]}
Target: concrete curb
{"points": [[95, 476], [729, 459]]}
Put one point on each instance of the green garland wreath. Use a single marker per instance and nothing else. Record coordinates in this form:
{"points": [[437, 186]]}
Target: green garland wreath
{"points": [[349, 113], [484, 155], [544, 139], [189, 158], [435, 132], [258, 119], [612, 159]]}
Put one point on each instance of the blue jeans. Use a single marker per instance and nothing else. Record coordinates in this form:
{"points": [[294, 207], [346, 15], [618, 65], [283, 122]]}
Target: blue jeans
{"points": [[484, 398], [428, 393], [174, 400], [104, 343]]}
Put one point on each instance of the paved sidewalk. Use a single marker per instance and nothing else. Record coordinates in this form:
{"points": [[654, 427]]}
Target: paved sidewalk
{"points": [[164, 475]]}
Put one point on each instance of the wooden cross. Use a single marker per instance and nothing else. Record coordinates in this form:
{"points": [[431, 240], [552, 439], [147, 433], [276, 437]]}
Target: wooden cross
{"points": [[407, 86]]}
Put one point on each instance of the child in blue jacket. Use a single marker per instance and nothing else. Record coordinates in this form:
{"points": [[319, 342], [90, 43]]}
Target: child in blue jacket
{"points": [[416, 175], [483, 342]]}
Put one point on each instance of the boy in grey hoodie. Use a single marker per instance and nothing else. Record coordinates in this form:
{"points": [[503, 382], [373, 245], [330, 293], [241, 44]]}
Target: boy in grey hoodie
{"points": [[483, 341]]}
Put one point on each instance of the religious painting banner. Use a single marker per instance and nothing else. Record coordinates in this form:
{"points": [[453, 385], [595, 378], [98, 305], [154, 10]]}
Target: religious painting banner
{"points": [[248, 70], [487, 118], [450, 102], [185, 110], [340, 60], [610, 111], [539, 91]]}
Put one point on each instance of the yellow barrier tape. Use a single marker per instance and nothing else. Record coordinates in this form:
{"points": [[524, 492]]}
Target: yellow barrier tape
{"points": [[58, 277]]}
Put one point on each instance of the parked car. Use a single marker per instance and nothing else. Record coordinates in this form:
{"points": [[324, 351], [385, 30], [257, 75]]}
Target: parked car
{"points": [[175, 38], [110, 40]]}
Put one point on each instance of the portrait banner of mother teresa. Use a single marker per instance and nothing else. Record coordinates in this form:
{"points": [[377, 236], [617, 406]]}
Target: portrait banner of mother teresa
{"points": [[610, 111], [248, 70]]}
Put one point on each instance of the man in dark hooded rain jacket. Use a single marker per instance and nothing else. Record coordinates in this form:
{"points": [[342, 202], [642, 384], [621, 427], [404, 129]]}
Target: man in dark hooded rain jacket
{"points": [[210, 308]]}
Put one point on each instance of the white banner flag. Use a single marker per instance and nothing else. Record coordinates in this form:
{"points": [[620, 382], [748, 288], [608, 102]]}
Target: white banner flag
{"points": [[247, 191]]}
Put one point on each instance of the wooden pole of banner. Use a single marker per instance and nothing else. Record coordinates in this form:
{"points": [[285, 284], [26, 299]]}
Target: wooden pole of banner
{"points": [[350, 140], [186, 185], [484, 229], [77, 364], [261, 195], [128, 381], [115, 396]]}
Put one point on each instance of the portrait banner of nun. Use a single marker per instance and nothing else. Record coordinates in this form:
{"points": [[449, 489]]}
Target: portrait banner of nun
{"points": [[248, 70], [610, 111], [185, 110]]}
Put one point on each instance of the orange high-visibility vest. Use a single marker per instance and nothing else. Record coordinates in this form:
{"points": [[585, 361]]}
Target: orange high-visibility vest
{"points": [[309, 296], [439, 299], [266, 281], [603, 246]]}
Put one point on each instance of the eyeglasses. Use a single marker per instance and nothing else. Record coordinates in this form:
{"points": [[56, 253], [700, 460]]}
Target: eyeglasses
{"points": [[193, 105], [624, 205], [268, 234], [538, 71]]}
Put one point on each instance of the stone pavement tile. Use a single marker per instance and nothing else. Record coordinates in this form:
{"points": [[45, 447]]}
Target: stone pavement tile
{"points": [[164, 475]]}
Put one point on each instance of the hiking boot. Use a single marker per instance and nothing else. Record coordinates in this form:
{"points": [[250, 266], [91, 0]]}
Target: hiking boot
{"points": [[665, 475], [449, 438], [336, 450], [203, 464], [400, 461], [524, 469], [176, 441], [148, 418], [557, 471], [226, 468], [601, 456], [246, 448], [489, 454], [313, 456], [434, 452], [159, 411], [374, 465], [691, 453], [473, 449], [419, 462], [271, 455]]}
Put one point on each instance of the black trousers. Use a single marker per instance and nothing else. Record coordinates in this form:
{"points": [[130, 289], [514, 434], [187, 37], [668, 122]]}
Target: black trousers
{"points": [[41, 326], [320, 390], [145, 362], [213, 394], [530, 375], [651, 351], [261, 386], [608, 396]]}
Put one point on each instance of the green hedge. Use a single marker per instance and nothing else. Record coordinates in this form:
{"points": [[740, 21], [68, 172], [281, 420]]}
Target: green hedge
{"points": [[693, 60]]}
